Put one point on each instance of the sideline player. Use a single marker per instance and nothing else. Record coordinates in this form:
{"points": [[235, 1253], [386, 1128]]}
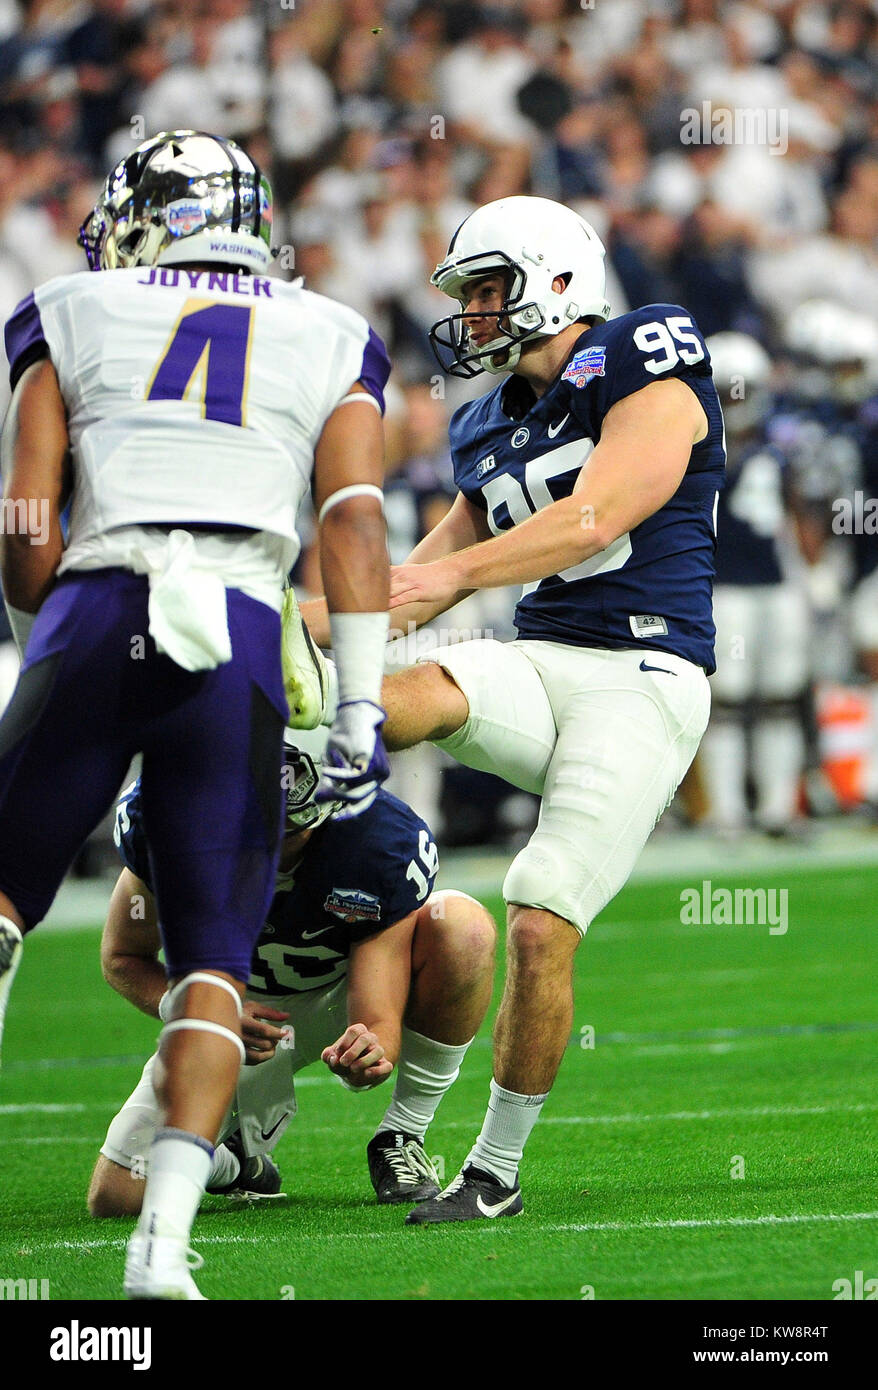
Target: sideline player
{"points": [[182, 401], [590, 475], [359, 956], [761, 612]]}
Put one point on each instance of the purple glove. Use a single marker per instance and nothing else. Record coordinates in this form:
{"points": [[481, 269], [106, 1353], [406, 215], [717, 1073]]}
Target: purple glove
{"points": [[355, 763]]}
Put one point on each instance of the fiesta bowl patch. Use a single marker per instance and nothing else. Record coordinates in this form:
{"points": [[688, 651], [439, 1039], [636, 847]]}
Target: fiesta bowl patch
{"points": [[352, 905], [184, 216], [591, 361]]}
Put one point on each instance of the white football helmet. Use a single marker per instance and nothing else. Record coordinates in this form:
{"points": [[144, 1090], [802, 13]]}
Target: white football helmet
{"points": [[182, 196], [530, 241], [836, 350], [742, 376]]}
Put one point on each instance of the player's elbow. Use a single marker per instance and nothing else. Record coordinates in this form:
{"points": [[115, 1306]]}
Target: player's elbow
{"points": [[360, 516]]}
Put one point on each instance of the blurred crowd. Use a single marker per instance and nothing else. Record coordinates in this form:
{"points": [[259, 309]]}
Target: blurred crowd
{"points": [[725, 150]]}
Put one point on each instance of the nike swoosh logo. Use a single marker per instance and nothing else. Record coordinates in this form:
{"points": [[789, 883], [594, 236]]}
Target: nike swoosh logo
{"points": [[552, 430], [308, 935], [498, 1208], [266, 1137], [644, 667]]}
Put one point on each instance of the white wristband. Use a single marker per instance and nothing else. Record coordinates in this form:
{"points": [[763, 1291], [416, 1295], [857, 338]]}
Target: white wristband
{"points": [[21, 624], [358, 645]]}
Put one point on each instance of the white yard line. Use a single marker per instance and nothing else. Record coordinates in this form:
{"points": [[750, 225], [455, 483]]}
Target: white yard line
{"points": [[584, 1227]]}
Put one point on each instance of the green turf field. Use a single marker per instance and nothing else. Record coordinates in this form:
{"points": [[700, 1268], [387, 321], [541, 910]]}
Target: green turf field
{"points": [[719, 1050]]}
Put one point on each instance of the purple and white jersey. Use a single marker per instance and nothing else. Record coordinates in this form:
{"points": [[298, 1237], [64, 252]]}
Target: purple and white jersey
{"points": [[193, 396]]}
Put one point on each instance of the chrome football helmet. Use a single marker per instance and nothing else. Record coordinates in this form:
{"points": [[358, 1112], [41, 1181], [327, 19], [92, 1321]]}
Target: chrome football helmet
{"points": [[530, 242], [300, 773], [181, 196]]}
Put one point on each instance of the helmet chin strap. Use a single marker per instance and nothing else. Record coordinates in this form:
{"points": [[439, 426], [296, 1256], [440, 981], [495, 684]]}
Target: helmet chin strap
{"points": [[510, 353]]}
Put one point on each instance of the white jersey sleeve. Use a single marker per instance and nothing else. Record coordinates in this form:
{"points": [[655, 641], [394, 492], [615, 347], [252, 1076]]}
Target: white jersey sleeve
{"points": [[193, 397]]}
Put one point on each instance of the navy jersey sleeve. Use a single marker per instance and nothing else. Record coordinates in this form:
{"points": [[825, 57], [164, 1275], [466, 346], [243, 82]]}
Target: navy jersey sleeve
{"points": [[412, 870], [401, 848], [630, 352], [129, 836], [25, 339]]}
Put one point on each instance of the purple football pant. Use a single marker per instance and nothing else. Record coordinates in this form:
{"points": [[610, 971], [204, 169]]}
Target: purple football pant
{"points": [[93, 691]]}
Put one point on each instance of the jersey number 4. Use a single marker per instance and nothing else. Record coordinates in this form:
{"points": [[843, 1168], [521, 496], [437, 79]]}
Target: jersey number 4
{"points": [[211, 342]]}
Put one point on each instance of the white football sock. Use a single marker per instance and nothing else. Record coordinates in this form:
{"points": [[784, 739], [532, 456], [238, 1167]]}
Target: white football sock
{"points": [[179, 1166], [331, 708], [508, 1123], [225, 1167], [778, 760], [723, 761], [10, 953], [425, 1071]]}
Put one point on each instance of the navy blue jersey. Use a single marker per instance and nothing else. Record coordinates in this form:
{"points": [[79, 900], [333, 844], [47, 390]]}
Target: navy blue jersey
{"points": [[750, 516], [356, 877], [514, 454]]}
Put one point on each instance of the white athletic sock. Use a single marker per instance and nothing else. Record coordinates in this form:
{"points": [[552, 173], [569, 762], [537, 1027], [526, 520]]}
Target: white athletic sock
{"points": [[10, 954], [179, 1166], [506, 1129], [331, 708], [723, 761], [225, 1167], [425, 1071], [778, 760]]}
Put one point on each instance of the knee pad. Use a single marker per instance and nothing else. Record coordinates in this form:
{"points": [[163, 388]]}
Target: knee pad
{"points": [[171, 1001], [542, 875]]}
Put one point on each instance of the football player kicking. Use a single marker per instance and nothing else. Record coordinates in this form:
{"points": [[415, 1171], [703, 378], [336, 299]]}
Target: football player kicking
{"points": [[181, 400], [590, 476], [367, 965]]}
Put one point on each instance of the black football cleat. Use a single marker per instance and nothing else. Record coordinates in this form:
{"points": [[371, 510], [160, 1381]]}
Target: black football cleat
{"points": [[258, 1179], [400, 1169], [473, 1196]]}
